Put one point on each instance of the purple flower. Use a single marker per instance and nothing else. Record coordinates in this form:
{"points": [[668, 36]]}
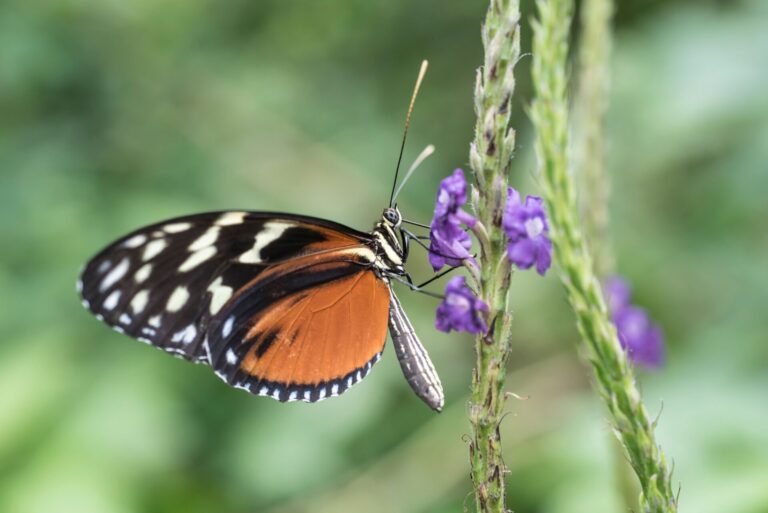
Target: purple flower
{"points": [[451, 196], [617, 292], [527, 228], [449, 244], [637, 333], [461, 310]]}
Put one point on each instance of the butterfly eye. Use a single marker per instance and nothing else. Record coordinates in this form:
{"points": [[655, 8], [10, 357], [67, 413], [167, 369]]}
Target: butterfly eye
{"points": [[392, 216]]}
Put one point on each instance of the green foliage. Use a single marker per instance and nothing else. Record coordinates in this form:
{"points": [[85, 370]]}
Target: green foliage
{"points": [[116, 114]]}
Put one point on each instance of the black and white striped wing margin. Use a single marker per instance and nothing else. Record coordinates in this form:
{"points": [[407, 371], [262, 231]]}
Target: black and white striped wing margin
{"points": [[162, 284], [414, 360]]}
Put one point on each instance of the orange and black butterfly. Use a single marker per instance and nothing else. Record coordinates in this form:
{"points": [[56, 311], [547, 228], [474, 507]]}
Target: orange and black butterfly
{"points": [[286, 306]]}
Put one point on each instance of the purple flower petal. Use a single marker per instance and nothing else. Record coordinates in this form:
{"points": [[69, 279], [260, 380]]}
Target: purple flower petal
{"points": [[449, 243], [464, 218], [617, 293], [523, 253], [527, 229], [452, 194], [544, 256], [641, 338], [461, 310]]}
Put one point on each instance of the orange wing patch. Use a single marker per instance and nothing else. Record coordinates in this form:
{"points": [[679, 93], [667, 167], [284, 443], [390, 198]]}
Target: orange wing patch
{"points": [[325, 334], [318, 342]]}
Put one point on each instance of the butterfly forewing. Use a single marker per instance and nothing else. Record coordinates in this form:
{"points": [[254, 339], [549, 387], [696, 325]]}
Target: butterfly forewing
{"points": [[163, 283]]}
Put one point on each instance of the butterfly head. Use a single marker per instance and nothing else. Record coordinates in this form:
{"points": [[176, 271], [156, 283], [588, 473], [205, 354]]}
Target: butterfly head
{"points": [[392, 217]]}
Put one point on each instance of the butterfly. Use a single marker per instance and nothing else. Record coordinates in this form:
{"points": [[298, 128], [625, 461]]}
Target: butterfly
{"points": [[281, 305]]}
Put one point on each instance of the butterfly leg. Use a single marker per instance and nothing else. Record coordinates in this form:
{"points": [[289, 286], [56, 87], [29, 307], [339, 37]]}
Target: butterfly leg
{"points": [[437, 276], [414, 223], [408, 236], [413, 287]]}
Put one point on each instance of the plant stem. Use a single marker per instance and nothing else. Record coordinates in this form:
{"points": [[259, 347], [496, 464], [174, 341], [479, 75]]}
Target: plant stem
{"points": [[490, 156], [589, 149], [614, 379], [591, 104]]}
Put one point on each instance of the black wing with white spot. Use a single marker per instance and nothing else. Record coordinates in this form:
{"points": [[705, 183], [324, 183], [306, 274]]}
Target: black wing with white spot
{"points": [[162, 284]]}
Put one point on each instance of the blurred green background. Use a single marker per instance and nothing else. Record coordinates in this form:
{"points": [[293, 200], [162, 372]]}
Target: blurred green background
{"points": [[115, 114]]}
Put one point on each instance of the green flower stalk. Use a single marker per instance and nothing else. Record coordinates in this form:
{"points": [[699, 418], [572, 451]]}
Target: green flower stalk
{"points": [[590, 106], [490, 157], [589, 119], [614, 379]]}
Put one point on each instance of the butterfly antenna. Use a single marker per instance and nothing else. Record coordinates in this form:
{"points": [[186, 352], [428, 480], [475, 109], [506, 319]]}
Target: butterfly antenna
{"points": [[422, 72], [426, 152]]}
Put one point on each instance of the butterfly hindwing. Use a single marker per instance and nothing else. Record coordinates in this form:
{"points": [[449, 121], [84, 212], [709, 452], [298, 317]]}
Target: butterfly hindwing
{"points": [[304, 330], [164, 283]]}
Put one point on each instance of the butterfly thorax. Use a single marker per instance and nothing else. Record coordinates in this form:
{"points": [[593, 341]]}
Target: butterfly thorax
{"points": [[387, 247]]}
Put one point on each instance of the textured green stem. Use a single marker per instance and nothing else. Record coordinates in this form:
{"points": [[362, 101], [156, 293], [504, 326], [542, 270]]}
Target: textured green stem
{"points": [[614, 379], [589, 113], [590, 106], [490, 156]]}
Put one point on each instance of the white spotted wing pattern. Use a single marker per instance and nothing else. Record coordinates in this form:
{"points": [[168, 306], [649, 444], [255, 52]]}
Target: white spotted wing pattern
{"points": [[163, 283], [286, 306]]}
